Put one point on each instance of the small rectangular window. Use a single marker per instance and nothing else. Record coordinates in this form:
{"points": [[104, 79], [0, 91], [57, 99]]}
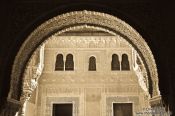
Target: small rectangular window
{"points": [[122, 109], [62, 109]]}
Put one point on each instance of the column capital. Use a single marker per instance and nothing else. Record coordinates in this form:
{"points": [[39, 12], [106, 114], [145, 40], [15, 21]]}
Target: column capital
{"points": [[25, 96], [156, 100]]}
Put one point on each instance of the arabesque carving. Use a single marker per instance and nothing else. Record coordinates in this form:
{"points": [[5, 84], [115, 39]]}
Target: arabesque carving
{"points": [[82, 19]]}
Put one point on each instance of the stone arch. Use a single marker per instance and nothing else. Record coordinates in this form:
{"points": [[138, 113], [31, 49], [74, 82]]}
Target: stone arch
{"points": [[72, 21]]}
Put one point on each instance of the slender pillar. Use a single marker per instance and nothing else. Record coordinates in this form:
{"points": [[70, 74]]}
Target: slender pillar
{"points": [[24, 99]]}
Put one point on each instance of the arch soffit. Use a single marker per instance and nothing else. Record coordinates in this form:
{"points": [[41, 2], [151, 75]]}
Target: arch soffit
{"points": [[72, 21]]}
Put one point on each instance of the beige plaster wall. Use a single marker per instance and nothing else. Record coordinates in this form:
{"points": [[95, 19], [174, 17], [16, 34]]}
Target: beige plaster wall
{"points": [[91, 92]]}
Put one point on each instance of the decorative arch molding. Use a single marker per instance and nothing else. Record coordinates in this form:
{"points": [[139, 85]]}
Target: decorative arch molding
{"points": [[81, 19]]}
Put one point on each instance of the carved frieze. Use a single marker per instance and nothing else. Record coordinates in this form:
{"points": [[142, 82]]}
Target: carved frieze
{"points": [[86, 42], [62, 90]]}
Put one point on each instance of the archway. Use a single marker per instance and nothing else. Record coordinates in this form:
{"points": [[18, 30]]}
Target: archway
{"points": [[72, 21]]}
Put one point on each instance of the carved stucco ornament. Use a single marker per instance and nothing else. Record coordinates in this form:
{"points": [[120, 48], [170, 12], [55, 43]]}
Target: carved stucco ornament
{"points": [[76, 20]]}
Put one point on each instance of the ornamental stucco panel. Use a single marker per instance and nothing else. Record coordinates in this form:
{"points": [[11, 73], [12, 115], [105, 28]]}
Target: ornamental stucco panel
{"points": [[85, 89]]}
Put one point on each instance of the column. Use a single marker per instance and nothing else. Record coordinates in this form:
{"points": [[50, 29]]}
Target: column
{"points": [[24, 99]]}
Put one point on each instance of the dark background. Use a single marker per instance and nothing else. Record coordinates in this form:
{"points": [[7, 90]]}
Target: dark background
{"points": [[153, 20]]}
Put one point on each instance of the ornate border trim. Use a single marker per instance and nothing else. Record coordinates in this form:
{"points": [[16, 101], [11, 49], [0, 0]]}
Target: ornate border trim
{"points": [[120, 99], [70, 21], [62, 100]]}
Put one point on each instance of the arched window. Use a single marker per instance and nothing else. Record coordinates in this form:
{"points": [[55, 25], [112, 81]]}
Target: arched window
{"points": [[125, 62], [92, 63], [59, 65], [115, 64], [69, 65]]}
